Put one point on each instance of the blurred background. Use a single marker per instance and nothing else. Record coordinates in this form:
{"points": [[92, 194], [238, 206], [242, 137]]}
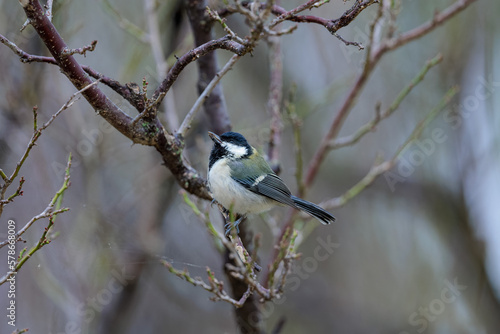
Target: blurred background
{"points": [[419, 255]]}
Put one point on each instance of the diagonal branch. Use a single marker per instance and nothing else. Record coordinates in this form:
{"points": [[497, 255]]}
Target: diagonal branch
{"points": [[425, 28], [370, 126], [37, 132], [381, 168], [149, 131], [222, 43], [50, 213], [186, 123], [75, 73], [125, 91], [373, 56]]}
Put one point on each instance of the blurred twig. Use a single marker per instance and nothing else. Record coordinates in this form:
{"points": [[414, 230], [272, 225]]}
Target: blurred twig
{"points": [[373, 54], [186, 123], [244, 267], [20, 331], [51, 211], [274, 101], [380, 168], [438, 19], [372, 58], [36, 134], [221, 43], [125, 24], [370, 126], [296, 127], [155, 41], [200, 19]]}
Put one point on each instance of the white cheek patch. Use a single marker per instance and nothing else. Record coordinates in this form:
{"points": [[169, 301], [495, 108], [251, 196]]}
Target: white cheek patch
{"points": [[235, 150]]}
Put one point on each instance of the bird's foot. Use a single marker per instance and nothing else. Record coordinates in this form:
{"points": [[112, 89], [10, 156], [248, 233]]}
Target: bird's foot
{"points": [[230, 225]]}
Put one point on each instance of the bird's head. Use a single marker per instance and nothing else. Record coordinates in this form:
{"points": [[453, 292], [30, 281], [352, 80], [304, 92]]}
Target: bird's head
{"points": [[229, 145]]}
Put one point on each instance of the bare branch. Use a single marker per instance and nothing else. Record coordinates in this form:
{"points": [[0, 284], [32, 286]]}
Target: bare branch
{"points": [[155, 41], [128, 93], [222, 43], [274, 101], [125, 24], [75, 73], [150, 131], [438, 19], [186, 123], [11, 198], [288, 15], [371, 60], [50, 213], [380, 168], [370, 126], [82, 51], [36, 134], [215, 104], [331, 25]]}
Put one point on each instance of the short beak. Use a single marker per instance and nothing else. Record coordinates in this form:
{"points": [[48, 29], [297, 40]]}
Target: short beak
{"points": [[214, 137]]}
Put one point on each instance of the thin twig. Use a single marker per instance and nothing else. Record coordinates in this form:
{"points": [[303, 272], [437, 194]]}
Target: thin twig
{"points": [[371, 60], [274, 101], [283, 15], [83, 51], [50, 213], [215, 286], [222, 43], [75, 73], [287, 15], [123, 90], [155, 41], [186, 123], [297, 142], [126, 24], [380, 168], [36, 134], [370, 126], [423, 29]]}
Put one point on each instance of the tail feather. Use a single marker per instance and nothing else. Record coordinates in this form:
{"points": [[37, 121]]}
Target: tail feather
{"points": [[323, 216]]}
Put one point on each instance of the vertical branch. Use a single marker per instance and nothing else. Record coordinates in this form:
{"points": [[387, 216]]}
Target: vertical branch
{"points": [[215, 105], [249, 316], [274, 101], [160, 61]]}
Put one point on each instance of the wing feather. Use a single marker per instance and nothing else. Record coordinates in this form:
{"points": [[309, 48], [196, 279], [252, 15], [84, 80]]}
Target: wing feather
{"points": [[256, 175], [271, 185]]}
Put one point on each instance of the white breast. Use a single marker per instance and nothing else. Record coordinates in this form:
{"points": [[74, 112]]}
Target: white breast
{"points": [[230, 193]]}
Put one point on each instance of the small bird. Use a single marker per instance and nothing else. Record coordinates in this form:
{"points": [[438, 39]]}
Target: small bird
{"points": [[241, 181]]}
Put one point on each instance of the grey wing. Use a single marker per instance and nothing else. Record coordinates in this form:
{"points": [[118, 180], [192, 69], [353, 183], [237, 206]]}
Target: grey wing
{"points": [[271, 186]]}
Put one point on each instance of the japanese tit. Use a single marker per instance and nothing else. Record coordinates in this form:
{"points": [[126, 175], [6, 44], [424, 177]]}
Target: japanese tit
{"points": [[241, 180]]}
